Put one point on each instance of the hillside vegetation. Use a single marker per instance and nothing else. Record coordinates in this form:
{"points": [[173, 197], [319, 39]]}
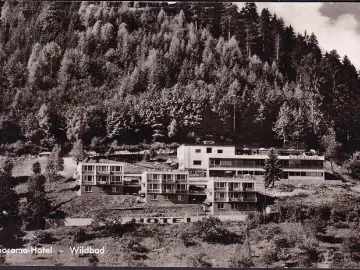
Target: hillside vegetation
{"points": [[125, 73]]}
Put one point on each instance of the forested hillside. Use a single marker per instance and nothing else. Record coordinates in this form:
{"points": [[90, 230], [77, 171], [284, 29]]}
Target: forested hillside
{"points": [[105, 72]]}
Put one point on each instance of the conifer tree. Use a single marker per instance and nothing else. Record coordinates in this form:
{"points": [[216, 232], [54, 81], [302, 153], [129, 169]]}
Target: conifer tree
{"points": [[272, 167]]}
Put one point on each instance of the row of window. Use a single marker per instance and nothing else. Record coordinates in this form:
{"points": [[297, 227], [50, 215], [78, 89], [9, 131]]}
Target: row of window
{"points": [[89, 189], [209, 150], [236, 206], [90, 168], [167, 176], [222, 195], [259, 163], [104, 178], [311, 174], [167, 197], [157, 186], [234, 185]]}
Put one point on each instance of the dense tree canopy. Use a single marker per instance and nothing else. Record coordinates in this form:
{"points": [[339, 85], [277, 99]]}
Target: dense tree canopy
{"points": [[105, 72]]}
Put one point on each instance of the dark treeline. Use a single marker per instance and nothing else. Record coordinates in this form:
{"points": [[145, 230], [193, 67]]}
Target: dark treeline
{"points": [[125, 72]]}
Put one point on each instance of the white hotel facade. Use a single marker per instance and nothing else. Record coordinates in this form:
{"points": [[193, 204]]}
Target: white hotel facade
{"points": [[230, 161]]}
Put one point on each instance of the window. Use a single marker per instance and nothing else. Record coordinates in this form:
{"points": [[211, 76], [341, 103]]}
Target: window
{"points": [[87, 178], [220, 184], [180, 197], [208, 150], [197, 150], [153, 186], [102, 189], [115, 168], [88, 168], [167, 176], [102, 168], [181, 187], [220, 195], [220, 151], [221, 206], [248, 206], [248, 186], [167, 197], [116, 179], [116, 189], [235, 206], [197, 162], [181, 177], [88, 188], [102, 178], [153, 197]]}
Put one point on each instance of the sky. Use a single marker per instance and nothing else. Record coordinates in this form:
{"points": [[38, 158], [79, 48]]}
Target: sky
{"points": [[336, 25]]}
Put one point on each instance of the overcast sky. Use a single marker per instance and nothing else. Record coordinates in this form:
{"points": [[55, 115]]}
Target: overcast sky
{"points": [[336, 25]]}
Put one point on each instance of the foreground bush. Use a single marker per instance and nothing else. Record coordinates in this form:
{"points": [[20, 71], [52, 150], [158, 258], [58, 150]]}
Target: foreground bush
{"points": [[43, 237], [243, 262], [211, 230]]}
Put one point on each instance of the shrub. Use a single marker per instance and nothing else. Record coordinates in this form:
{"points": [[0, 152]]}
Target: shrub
{"points": [[211, 230], [199, 260], [43, 237], [282, 242], [188, 239], [255, 219], [286, 188], [2, 259], [135, 245], [113, 225], [351, 245], [80, 236], [93, 260], [270, 255], [243, 262], [309, 253]]}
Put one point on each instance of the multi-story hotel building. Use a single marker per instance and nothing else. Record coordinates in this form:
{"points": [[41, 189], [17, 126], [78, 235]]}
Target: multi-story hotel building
{"points": [[204, 161], [100, 178], [232, 195], [165, 187]]}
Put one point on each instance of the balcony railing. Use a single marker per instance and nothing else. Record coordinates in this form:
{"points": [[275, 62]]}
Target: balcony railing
{"points": [[169, 190], [153, 191], [198, 191], [235, 166], [249, 189], [262, 166], [86, 171], [236, 189], [220, 199], [235, 199], [220, 188], [100, 182], [116, 182], [249, 199]]}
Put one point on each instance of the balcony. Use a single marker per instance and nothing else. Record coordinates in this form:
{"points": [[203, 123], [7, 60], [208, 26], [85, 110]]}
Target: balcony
{"points": [[116, 183], [169, 191], [236, 166], [249, 199], [236, 189], [232, 199], [220, 188], [168, 181], [87, 172], [153, 191], [153, 180], [220, 199], [99, 182]]}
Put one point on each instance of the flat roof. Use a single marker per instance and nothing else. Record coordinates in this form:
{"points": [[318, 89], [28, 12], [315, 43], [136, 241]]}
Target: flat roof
{"points": [[244, 147]]}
